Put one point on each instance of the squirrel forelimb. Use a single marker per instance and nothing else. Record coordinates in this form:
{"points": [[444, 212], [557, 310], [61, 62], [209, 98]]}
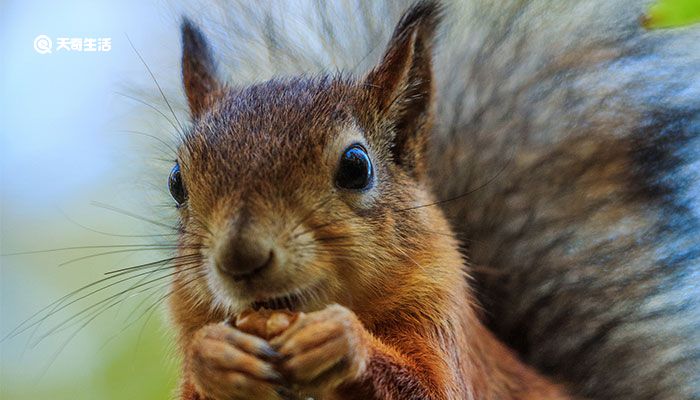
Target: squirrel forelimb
{"points": [[323, 354]]}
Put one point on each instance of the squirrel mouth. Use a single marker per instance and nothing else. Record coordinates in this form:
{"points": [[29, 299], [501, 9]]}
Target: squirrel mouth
{"points": [[289, 302], [295, 300]]}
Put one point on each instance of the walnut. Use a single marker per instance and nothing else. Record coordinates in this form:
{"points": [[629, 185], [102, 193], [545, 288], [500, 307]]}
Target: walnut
{"points": [[265, 323]]}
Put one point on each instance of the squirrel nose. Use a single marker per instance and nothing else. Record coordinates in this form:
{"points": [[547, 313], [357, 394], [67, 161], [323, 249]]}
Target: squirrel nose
{"points": [[244, 258]]}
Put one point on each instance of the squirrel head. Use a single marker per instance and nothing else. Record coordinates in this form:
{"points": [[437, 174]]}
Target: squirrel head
{"points": [[303, 191]]}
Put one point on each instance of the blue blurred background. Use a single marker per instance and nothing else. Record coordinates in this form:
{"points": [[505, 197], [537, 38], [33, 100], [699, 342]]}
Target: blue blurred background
{"points": [[64, 118]]}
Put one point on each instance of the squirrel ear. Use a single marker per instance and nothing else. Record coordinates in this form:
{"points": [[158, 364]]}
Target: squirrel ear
{"points": [[401, 86], [198, 68]]}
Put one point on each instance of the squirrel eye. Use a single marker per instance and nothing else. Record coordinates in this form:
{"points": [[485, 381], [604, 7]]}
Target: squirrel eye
{"points": [[355, 169], [176, 186]]}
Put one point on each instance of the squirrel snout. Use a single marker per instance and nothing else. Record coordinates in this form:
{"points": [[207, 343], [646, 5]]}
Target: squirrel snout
{"points": [[244, 257]]}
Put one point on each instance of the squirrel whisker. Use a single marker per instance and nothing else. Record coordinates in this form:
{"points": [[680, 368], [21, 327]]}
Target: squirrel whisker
{"points": [[104, 303]]}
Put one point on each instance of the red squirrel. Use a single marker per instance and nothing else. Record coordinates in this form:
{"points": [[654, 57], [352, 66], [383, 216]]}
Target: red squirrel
{"points": [[555, 143], [311, 195]]}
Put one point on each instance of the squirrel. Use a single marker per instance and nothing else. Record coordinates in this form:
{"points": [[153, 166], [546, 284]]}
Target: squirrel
{"points": [[306, 194], [338, 199]]}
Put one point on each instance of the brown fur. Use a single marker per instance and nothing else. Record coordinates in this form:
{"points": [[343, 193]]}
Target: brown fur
{"points": [[262, 159]]}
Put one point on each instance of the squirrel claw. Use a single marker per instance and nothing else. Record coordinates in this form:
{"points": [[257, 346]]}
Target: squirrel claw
{"points": [[322, 350], [229, 364]]}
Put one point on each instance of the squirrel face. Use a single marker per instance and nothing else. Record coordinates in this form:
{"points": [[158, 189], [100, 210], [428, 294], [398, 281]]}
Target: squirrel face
{"points": [[299, 192]]}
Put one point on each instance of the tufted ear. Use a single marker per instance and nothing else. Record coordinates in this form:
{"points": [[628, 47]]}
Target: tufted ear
{"points": [[401, 86], [198, 69]]}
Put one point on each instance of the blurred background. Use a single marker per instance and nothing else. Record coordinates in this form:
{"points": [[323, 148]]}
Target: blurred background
{"points": [[75, 134], [85, 150]]}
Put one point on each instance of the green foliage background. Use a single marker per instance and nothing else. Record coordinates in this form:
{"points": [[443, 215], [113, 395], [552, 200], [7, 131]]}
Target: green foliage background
{"points": [[136, 369], [127, 352], [672, 13]]}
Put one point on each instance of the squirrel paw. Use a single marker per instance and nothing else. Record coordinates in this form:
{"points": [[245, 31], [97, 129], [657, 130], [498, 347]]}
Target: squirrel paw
{"points": [[227, 364], [322, 350]]}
